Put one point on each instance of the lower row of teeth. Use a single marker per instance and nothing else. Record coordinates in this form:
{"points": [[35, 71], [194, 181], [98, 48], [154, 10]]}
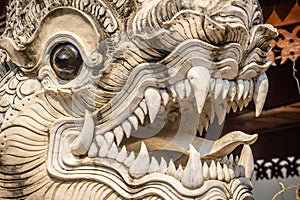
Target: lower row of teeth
{"points": [[141, 164]]}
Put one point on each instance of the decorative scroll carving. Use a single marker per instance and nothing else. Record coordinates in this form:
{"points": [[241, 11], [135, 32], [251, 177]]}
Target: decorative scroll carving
{"points": [[25, 17], [277, 168], [103, 99]]}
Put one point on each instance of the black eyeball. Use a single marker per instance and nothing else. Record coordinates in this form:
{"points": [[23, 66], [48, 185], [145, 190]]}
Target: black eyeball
{"points": [[66, 61]]}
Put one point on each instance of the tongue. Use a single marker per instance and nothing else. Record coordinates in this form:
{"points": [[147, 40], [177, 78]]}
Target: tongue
{"points": [[225, 145], [208, 149]]}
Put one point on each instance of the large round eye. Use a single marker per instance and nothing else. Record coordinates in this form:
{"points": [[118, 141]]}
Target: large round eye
{"points": [[66, 61]]}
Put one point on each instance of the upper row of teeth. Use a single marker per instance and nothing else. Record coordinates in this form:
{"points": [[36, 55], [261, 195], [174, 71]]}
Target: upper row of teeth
{"points": [[225, 89], [240, 89], [233, 94], [224, 169]]}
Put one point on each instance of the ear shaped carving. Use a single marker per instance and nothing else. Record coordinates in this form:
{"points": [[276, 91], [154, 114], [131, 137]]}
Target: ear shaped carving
{"points": [[17, 55]]}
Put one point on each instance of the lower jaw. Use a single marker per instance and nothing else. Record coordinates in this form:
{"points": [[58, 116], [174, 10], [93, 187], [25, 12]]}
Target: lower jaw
{"points": [[221, 177], [183, 172], [132, 173]]}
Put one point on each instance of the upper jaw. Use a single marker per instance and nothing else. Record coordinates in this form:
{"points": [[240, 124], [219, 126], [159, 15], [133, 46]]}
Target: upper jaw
{"points": [[191, 70]]}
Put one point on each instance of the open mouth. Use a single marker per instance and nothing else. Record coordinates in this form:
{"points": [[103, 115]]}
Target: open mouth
{"points": [[152, 131], [160, 135]]}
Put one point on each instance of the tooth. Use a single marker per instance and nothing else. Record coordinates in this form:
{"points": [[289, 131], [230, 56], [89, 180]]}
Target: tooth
{"points": [[93, 150], [246, 89], [103, 150], [246, 160], [231, 172], [228, 107], [140, 166], [226, 173], [240, 105], [205, 171], [220, 174], [251, 88], [200, 129], [171, 169], [119, 134], [212, 113], [232, 90], [192, 175], [129, 160], [127, 128], [218, 88], [180, 89], [153, 100], [163, 166], [226, 87], [199, 78], [234, 106], [242, 171], [99, 140], [261, 90], [213, 170], [206, 124], [154, 166], [225, 160], [144, 106], [230, 160], [165, 96], [236, 160], [134, 121], [237, 171], [212, 85], [122, 155], [109, 137], [247, 101], [113, 151], [85, 138], [178, 173], [188, 88], [220, 109], [173, 92], [140, 114], [240, 89]]}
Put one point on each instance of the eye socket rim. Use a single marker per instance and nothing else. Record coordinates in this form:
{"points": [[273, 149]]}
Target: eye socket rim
{"points": [[66, 73]]}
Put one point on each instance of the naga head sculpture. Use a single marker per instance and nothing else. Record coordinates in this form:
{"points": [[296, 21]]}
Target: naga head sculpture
{"points": [[108, 99]]}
